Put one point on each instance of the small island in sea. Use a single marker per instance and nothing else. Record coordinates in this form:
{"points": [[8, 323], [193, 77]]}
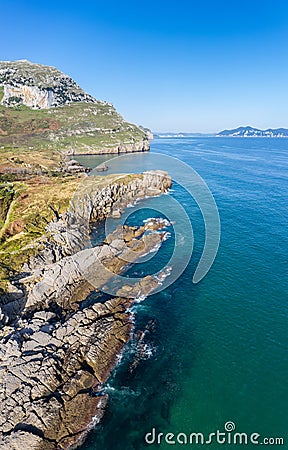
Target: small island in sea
{"points": [[56, 350]]}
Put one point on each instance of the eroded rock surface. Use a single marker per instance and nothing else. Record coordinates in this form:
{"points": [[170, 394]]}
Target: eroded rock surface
{"points": [[51, 371], [54, 360], [93, 203], [56, 351]]}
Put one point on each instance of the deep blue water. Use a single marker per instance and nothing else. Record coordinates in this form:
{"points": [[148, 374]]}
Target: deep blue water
{"points": [[219, 349]]}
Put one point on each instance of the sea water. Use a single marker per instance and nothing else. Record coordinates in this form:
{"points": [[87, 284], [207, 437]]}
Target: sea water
{"points": [[219, 350]]}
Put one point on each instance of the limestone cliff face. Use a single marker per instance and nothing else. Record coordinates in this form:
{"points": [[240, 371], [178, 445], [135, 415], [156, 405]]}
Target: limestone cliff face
{"points": [[148, 132], [30, 96], [125, 147], [38, 86]]}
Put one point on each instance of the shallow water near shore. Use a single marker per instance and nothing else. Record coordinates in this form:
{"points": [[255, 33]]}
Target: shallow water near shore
{"points": [[219, 349]]}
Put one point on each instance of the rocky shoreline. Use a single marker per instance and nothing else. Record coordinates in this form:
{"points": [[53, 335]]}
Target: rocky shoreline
{"points": [[57, 350], [135, 147]]}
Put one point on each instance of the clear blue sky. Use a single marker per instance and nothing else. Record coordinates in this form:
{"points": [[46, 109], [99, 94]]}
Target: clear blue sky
{"points": [[182, 65]]}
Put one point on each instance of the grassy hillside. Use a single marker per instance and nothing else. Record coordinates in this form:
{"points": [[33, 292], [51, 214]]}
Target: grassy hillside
{"points": [[26, 208], [45, 116], [75, 128]]}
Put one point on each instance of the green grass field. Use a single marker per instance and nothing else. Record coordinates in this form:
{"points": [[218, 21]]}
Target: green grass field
{"points": [[76, 128]]}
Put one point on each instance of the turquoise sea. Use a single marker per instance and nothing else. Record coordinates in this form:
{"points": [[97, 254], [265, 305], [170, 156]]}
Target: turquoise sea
{"points": [[218, 353]]}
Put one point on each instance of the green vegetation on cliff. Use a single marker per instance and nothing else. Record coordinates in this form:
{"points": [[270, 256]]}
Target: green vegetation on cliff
{"points": [[91, 128], [26, 207], [42, 108], [45, 116]]}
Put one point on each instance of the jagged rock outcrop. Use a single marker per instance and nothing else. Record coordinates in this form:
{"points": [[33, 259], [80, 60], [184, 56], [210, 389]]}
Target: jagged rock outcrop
{"points": [[93, 203], [148, 132], [53, 367], [55, 284], [38, 86], [57, 348]]}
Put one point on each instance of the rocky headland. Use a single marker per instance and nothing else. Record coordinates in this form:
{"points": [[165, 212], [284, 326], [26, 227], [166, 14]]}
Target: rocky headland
{"points": [[41, 107], [57, 348]]}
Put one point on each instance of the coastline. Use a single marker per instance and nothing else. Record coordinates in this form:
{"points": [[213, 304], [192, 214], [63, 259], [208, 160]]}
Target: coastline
{"points": [[56, 353], [109, 153], [118, 149]]}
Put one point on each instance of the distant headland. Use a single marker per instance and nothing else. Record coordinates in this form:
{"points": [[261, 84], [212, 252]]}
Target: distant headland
{"points": [[236, 132], [254, 132]]}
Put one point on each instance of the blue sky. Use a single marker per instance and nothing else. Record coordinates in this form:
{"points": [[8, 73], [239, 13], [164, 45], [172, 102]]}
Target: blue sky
{"points": [[171, 66]]}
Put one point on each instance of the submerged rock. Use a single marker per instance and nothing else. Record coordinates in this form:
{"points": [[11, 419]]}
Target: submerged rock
{"points": [[102, 167]]}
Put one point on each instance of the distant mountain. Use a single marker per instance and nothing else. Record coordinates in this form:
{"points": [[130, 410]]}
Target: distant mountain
{"points": [[254, 132]]}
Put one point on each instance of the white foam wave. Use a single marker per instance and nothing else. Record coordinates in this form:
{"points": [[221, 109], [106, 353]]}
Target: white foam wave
{"points": [[147, 351], [123, 391], [140, 298], [167, 235], [164, 274], [159, 220], [135, 308]]}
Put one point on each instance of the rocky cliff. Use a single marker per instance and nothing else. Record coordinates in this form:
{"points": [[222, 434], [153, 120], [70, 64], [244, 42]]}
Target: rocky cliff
{"points": [[38, 86], [44, 108], [56, 347]]}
